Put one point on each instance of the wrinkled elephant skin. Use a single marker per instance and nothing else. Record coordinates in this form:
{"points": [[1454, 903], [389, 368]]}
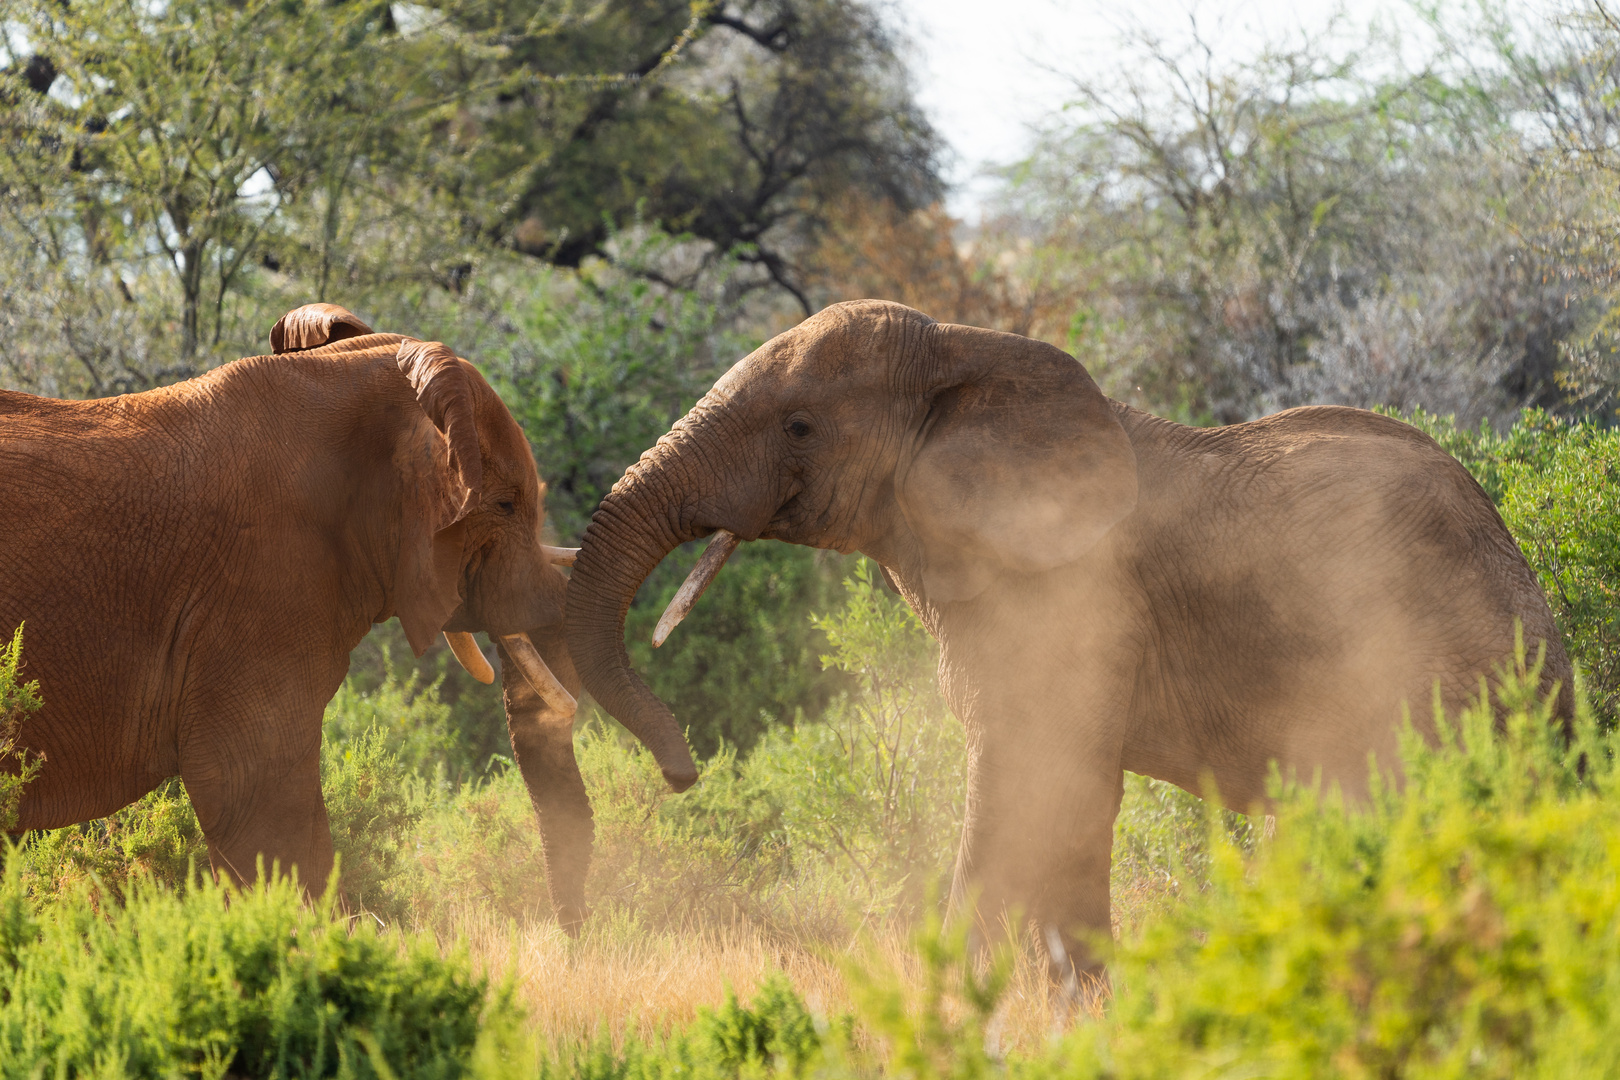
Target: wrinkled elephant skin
{"points": [[1111, 591]]}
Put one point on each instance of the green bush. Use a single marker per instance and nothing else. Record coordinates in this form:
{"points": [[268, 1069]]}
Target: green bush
{"points": [[746, 660], [372, 813], [264, 985], [775, 1036], [17, 700], [402, 713], [156, 838], [873, 793], [434, 713]]}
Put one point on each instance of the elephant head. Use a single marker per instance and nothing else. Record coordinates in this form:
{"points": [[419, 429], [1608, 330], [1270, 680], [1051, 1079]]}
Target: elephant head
{"points": [[470, 555], [949, 454]]}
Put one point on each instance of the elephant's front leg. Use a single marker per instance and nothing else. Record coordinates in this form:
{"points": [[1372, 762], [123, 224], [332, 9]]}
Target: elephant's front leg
{"points": [[1037, 842], [261, 803]]}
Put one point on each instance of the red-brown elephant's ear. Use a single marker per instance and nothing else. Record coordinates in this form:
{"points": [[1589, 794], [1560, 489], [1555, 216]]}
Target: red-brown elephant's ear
{"points": [[443, 479], [1020, 463], [313, 325], [444, 388]]}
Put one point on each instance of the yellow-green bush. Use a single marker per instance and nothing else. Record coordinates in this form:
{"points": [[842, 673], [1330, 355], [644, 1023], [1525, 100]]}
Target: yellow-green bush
{"points": [[255, 983]]}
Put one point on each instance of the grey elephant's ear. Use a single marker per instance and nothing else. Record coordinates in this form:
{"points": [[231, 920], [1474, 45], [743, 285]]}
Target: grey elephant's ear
{"points": [[1020, 463], [314, 325]]}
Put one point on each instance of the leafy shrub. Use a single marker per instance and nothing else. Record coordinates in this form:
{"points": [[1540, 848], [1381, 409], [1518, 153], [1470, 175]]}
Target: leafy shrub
{"points": [[17, 700], [435, 715], [874, 792], [477, 844], [156, 838], [372, 814], [775, 1036], [747, 659], [403, 713], [173, 984]]}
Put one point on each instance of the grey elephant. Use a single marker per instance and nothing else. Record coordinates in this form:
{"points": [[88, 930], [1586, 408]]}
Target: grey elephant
{"points": [[1111, 590]]}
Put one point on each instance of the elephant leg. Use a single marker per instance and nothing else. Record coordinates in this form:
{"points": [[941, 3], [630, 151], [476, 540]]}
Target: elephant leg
{"points": [[543, 743], [1037, 845], [252, 809]]}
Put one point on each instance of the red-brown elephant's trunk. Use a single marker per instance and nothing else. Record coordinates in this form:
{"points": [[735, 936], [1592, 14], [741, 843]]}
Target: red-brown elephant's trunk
{"points": [[635, 527]]}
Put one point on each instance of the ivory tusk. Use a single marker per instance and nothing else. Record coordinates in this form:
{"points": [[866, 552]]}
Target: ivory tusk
{"points": [[470, 655], [527, 659], [559, 556], [708, 565]]}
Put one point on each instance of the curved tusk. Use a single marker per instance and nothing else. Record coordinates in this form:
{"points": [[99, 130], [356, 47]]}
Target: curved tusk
{"points": [[527, 659], [708, 565], [470, 655], [559, 556]]}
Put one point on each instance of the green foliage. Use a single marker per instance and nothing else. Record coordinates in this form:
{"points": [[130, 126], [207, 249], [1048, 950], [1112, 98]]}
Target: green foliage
{"points": [[941, 1032], [598, 371], [408, 718], [746, 660], [17, 700], [773, 1037], [172, 178], [434, 715], [372, 815], [160, 118], [875, 789], [264, 985], [156, 838], [477, 844], [1554, 482]]}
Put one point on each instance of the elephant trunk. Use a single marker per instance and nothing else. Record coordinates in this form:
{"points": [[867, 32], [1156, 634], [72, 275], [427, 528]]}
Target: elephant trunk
{"points": [[636, 526], [543, 743]]}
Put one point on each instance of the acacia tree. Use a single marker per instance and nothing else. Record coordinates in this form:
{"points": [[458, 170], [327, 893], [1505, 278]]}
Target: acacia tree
{"points": [[739, 123]]}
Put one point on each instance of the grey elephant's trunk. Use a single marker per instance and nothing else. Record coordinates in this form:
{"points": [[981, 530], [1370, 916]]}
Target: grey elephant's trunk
{"points": [[635, 527]]}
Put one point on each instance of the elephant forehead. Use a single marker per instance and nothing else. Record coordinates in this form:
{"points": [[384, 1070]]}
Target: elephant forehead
{"points": [[836, 363]]}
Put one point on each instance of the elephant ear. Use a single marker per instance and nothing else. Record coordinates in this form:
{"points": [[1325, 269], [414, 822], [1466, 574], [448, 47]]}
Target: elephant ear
{"points": [[1020, 462], [443, 476], [313, 325]]}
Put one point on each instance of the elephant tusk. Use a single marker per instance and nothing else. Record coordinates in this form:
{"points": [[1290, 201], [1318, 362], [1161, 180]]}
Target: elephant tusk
{"points": [[560, 556], [708, 565], [470, 655], [527, 659]]}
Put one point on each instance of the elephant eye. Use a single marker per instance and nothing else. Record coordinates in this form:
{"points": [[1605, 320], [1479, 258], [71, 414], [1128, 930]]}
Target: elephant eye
{"points": [[506, 506], [798, 428]]}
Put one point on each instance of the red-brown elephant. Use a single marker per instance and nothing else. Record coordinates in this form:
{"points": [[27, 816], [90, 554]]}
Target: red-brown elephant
{"points": [[194, 565], [1111, 591]]}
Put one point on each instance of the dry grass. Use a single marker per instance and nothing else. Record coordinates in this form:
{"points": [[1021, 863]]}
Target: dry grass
{"points": [[625, 981]]}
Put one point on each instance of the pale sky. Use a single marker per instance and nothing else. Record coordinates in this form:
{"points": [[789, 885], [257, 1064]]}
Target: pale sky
{"points": [[981, 68]]}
